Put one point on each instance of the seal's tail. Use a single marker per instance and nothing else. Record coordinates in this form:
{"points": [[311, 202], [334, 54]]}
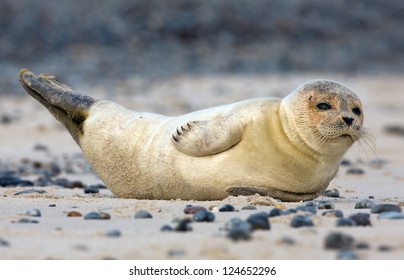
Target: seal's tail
{"points": [[66, 105]]}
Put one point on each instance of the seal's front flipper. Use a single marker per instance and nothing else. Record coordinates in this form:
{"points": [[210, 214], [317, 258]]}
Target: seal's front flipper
{"points": [[66, 105], [208, 137], [275, 193]]}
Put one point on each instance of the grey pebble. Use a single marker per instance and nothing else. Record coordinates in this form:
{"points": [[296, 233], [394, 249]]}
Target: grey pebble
{"points": [[238, 229], [259, 221], [385, 248], [97, 216], [345, 222], [331, 193], [27, 221], [333, 213], [364, 204], [113, 233], [345, 162], [4, 243], [394, 129], [275, 212], [288, 240], [362, 246], [143, 214], [33, 213], [355, 171], [192, 209], [175, 253], [347, 255], [203, 216], [309, 209], [184, 225], [91, 189], [385, 207], [325, 205], [52, 205], [391, 215], [311, 203], [9, 179], [301, 221], [249, 207], [289, 211], [30, 191], [361, 219], [167, 228], [338, 240], [40, 147], [227, 208]]}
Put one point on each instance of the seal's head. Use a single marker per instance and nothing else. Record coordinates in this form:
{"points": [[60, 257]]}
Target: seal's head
{"points": [[325, 115]]}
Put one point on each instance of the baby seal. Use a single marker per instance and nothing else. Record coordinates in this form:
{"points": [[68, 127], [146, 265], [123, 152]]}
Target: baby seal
{"points": [[286, 148]]}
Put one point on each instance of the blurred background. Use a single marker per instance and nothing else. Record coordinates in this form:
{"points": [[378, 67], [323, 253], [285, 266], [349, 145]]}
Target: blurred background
{"points": [[103, 43]]}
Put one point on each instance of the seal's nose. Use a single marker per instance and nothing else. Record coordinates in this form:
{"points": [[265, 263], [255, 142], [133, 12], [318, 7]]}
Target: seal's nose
{"points": [[348, 120]]}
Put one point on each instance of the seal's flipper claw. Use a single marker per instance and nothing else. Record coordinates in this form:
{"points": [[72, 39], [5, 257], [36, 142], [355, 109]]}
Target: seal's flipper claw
{"points": [[208, 137], [66, 105]]}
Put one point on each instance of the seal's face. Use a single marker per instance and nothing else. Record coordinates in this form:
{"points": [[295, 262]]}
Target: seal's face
{"points": [[327, 115]]}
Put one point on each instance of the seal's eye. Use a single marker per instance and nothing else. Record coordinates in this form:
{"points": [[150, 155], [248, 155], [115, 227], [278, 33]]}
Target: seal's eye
{"points": [[356, 111], [324, 106]]}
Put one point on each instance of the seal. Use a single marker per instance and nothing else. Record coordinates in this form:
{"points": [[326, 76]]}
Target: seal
{"points": [[287, 148]]}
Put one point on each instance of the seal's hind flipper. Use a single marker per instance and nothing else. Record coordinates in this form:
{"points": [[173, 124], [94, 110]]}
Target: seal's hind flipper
{"points": [[66, 105], [208, 137]]}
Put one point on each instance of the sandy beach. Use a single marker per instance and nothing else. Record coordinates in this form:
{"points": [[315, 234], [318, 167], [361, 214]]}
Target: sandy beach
{"points": [[32, 141]]}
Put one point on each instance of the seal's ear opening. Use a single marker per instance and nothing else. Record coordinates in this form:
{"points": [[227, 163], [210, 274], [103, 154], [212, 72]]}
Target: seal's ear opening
{"points": [[66, 105]]}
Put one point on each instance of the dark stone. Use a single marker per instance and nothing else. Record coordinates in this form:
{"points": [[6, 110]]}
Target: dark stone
{"points": [[8, 179], [288, 240], [91, 189], [33, 213], [227, 208], [391, 215], [347, 255], [394, 129], [337, 240], [385, 248], [364, 204], [52, 205], [97, 216], [30, 191], [345, 222], [238, 229], [259, 221], [63, 182], [143, 214], [362, 246], [311, 203], [355, 171], [4, 243], [301, 221], [249, 207], [203, 216], [74, 184], [184, 225], [385, 207], [43, 181], [113, 233], [331, 193], [40, 147], [345, 162], [27, 221], [166, 228], [192, 209], [289, 211], [361, 219], [333, 213], [309, 209], [325, 205], [275, 212]]}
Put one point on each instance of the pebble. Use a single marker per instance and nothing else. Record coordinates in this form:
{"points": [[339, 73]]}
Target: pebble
{"points": [[97, 216], [10, 179], [301, 221], [192, 209], [391, 215], [331, 193], [345, 222], [203, 216], [30, 191], [227, 208], [52, 205], [394, 129], [143, 214], [361, 219], [355, 171], [40, 147], [74, 214], [325, 205], [91, 189], [113, 233], [33, 213], [63, 182], [184, 225], [249, 207], [377, 163], [362, 246], [238, 229], [175, 253], [74, 184], [364, 204], [259, 221], [345, 162], [347, 255], [333, 213], [289, 211], [288, 240], [275, 212], [385, 207], [309, 209], [27, 221], [4, 243], [338, 240], [385, 248], [166, 228], [310, 203]]}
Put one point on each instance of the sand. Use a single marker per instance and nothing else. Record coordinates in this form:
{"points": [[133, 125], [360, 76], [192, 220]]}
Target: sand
{"points": [[57, 236]]}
